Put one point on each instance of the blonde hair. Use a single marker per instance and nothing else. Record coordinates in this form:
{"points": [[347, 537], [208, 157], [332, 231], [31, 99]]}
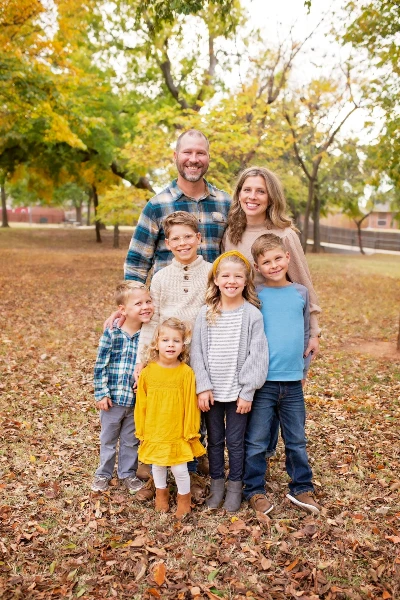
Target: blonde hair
{"points": [[151, 353], [266, 242], [276, 212], [126, 288], [213, 294], [180, 217]]}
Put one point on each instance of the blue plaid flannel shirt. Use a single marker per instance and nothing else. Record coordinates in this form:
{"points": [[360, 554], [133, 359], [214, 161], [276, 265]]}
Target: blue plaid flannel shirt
{"points": [[147, 248], [115, 363]]}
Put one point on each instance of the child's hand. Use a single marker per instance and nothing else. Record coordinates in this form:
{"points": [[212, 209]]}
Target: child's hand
{"points": [[104, 404], [313, 347], [204, 400], [136, 373], [243, 406], [109, 323]]}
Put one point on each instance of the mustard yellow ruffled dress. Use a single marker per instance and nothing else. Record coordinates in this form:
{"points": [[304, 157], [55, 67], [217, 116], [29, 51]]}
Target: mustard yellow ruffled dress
{"points": [[167, 417]]}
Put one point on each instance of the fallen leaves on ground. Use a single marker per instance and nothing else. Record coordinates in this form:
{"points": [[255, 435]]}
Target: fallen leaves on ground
{"points": [[60, 540]]}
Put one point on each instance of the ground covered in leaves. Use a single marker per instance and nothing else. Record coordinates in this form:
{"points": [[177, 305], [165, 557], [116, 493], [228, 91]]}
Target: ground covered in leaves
{"points": [[59, 540]]}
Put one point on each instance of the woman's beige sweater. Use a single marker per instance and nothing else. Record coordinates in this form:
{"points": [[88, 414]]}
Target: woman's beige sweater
{"points": [[298, 268]]}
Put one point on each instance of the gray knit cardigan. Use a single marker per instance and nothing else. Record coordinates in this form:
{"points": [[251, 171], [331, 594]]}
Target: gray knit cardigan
{"points": [[252, 358]]}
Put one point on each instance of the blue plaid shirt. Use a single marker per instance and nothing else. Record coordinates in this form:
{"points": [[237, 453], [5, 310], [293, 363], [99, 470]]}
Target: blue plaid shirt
{"points": [[115, 363], [147, 247]]}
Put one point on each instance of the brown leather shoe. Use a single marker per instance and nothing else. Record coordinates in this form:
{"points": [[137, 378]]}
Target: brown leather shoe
{"points": [[147, 492], [306, 501], [197, 486], [259, 503], [183, 506], [143, 472], [162, 500]]}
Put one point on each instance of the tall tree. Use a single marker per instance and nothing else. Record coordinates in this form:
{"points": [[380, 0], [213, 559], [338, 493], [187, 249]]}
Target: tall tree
{"points": [[314, 122]]}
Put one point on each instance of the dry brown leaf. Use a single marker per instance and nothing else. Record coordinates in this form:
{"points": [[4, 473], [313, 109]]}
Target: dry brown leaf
{"points": [[159, 573], [292, 565], [157, 551], [265, 563]]}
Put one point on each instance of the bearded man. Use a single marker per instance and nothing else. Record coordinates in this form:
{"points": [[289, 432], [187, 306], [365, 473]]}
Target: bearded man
{"points": [[189, 192]]}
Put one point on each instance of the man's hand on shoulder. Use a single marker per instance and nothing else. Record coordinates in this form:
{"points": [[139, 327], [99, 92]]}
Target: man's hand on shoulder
{"points": [[110, 321]]}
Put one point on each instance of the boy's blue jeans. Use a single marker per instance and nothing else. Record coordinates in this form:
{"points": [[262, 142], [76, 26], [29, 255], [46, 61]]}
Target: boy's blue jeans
{"points": [[286, 401]]}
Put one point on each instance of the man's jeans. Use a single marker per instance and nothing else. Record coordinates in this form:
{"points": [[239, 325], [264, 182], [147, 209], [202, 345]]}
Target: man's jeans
{"points": [[224, 422], [117, 423], [284, 399]]}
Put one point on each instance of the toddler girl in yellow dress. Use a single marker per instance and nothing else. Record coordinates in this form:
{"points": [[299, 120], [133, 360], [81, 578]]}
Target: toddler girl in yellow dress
{"points": [[167, 417]]}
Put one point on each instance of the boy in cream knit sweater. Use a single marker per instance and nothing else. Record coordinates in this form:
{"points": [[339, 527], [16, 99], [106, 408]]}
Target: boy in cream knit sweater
{"points": [[177, 290]]}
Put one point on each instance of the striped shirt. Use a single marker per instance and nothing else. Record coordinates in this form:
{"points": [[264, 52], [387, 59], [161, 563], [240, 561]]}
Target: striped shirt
{"points": [[115, 363], [147, 248], [223, 350]]}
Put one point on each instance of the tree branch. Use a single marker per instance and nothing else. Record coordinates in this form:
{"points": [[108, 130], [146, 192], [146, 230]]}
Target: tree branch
{"points": [[296, 148], [142, 183], [165, 67]]}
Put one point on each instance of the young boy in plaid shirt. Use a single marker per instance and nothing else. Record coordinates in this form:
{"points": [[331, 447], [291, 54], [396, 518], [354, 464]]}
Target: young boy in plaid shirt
{"points": [[113, 383]]}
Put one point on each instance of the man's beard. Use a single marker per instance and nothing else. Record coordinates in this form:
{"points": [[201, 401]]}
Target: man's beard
{"points": [[194, 177]]}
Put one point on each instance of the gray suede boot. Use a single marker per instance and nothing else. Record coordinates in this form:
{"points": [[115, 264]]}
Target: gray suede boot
{"points": [[217, 491], [233, 497]]}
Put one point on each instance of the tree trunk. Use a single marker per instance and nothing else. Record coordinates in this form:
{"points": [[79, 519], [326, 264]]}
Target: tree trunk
{"points": [[4, 207], [89, 205], [96, 221], [116, 236], [317, 233], [304, 235], [359, 231], [359, 234], [78, 211]]}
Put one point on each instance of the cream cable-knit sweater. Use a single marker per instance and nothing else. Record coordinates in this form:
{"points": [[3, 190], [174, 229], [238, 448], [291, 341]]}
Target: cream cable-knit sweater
{"points": [[177, 291], [298, 267]]}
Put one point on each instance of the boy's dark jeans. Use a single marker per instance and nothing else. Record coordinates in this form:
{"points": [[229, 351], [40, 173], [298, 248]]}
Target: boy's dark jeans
{"points": [[284, 399], [233, 431]]}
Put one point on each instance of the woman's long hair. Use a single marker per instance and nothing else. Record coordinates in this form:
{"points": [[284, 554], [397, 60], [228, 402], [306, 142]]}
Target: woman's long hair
{"points": [[276, 210], [213, 294], [151, 352]]}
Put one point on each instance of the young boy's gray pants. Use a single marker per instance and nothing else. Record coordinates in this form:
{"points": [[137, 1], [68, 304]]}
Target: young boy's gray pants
{"points": [[117, 423]]}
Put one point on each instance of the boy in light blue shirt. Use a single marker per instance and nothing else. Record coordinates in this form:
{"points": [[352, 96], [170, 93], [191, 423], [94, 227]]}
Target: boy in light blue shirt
{"points": [[286, 315]]}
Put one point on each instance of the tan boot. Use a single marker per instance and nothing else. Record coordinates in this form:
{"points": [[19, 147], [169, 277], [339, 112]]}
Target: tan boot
{"points": [[183, 505], [162, 499], [147, 492]]}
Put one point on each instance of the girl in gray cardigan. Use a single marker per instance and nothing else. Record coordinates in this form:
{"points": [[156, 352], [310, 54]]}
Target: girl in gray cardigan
{"points": [[229, 355]]}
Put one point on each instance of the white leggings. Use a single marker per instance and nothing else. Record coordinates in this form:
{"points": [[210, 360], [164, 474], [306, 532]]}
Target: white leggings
{"points": [[181, 474]]}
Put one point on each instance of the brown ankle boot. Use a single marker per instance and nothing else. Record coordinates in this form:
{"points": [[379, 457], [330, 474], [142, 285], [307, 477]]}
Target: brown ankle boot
{"points": [[183, 505], [162, 499]]}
